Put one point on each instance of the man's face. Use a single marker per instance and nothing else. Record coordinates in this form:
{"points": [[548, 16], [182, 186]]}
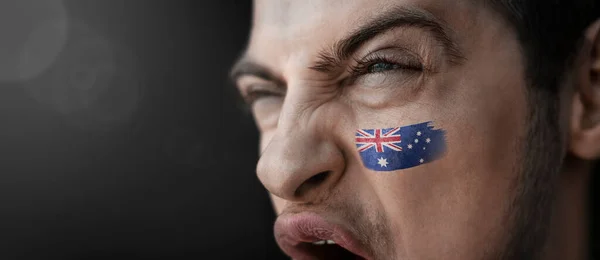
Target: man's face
{"points": [[317, 71]]}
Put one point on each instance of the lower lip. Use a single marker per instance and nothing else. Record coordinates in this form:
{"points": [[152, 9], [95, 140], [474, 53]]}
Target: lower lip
{"points": [[309, 227]]}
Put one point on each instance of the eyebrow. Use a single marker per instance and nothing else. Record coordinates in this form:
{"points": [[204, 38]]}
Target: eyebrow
{"points": [[246, 66], [331, 58]]}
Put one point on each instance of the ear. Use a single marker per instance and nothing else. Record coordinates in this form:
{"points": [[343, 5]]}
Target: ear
{"points": [[585, 113]]}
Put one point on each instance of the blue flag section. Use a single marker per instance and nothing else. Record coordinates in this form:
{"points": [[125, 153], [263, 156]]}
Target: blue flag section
{"points": [[391, 149]]}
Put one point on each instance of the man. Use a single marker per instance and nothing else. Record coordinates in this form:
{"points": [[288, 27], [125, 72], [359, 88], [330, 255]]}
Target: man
{"points": [[426, 129]]}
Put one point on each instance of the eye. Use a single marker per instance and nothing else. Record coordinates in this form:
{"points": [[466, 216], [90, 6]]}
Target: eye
{"points": [[254, 95], [259, 92], [386, 63], [382, 67], [264, 101]]}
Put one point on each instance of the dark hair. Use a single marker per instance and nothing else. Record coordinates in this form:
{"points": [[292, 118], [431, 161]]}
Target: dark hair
{"points": [[550, 32]]}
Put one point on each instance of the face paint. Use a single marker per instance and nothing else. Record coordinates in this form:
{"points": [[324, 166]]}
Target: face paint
{"points": [[391, 149]]}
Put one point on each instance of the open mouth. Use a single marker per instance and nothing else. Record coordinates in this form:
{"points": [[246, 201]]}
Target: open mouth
{"points": [[326, 249], [308, 236]]}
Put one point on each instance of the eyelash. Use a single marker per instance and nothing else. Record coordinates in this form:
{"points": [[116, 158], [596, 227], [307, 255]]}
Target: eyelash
{"points": [[361, 67]]}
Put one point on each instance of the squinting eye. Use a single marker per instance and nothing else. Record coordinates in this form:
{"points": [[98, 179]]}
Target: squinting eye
{"points": [[382, 67], [257, 92]]}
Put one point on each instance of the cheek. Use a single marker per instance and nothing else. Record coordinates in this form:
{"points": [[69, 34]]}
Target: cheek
{"points": [[460, 202], [266, 113], [278, 204], [265, 138]]}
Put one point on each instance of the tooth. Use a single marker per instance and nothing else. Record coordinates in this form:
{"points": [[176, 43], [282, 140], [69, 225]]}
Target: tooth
{"points": [[330, 242], [322, 242]]}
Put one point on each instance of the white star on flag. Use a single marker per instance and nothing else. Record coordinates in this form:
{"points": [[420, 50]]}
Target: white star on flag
{"points": [[409, 146], [382, 161], [419, 133], [428, 140], [422, 161]]}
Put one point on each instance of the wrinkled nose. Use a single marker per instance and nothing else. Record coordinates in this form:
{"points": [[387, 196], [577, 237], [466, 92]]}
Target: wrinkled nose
{"points": [[300, 165]]}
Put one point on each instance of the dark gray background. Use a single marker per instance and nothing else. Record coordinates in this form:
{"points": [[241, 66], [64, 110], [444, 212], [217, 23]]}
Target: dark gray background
{"points": [[170, 177], [173, 180]]}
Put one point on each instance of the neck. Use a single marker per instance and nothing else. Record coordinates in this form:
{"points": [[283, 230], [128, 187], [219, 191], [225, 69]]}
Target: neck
{"points": [[568, 238]]}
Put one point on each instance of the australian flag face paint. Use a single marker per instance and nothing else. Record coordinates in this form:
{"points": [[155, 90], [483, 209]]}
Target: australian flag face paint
{"points": [[391, 149]]}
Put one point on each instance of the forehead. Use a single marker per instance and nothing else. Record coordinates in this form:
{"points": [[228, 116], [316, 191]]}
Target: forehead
{"points": [[288, 12], [287, 27]]}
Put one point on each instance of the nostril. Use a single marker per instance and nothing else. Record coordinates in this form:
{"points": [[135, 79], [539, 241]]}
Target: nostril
{"points": [[312, 183], [317, 179]]}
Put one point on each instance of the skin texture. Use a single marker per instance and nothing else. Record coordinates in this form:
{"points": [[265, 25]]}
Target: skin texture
{"points": [[504, 172]]}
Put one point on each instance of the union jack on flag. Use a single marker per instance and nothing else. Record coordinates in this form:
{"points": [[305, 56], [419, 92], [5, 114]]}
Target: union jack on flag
{"points": [[379, 138], [390, 149]]}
